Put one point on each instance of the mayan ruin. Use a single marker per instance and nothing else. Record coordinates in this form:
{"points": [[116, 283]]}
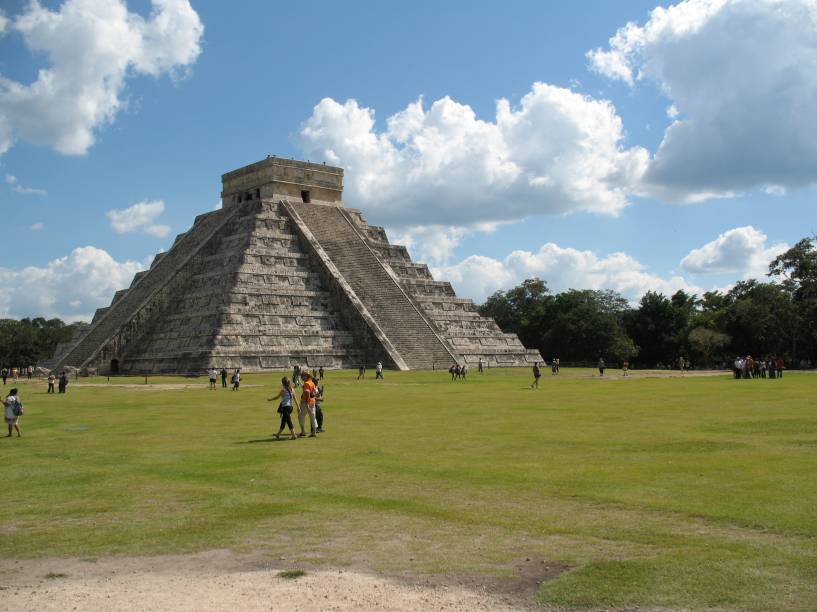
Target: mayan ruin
{"points": [[284, 273]]}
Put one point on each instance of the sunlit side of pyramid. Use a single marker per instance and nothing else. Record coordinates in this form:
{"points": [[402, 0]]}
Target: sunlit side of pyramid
{"points": [[282, 274]]}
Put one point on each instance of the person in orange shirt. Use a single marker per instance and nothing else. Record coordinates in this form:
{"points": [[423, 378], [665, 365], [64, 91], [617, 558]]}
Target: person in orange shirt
{"points": [[307, 405]]}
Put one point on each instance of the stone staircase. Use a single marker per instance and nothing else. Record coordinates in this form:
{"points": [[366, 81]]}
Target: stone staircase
{"points": [[399, 318], [121, 322], [473, 337]]}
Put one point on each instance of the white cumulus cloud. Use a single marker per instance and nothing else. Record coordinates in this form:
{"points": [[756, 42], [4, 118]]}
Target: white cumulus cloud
{"points": [[742, 250], [742, 82], [556, 152], [70, 287], [139, 218], [563, 268], [92, 47]]}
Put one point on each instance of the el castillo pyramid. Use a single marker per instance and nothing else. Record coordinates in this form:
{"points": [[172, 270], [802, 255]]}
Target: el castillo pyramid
{"points": [[282, 274]]}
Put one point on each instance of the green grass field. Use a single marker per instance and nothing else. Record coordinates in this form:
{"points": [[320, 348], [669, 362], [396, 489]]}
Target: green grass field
{"points": [[694, 493]]}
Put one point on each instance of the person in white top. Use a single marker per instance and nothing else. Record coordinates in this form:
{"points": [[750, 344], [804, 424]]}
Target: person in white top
{"points": [[378, 371], [213, 377], [14, 409]]}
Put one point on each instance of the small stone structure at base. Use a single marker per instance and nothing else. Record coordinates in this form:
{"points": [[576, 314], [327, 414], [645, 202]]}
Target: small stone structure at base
{"points": [[284, 274]]}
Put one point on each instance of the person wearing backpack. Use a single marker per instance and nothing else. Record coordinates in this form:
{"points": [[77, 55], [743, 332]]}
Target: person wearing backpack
{"points": [[287, 396], [318, 409], [14, 410]]}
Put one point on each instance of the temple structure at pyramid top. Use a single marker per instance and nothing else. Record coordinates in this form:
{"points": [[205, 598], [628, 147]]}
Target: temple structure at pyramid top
{"points": [[285, 274]]}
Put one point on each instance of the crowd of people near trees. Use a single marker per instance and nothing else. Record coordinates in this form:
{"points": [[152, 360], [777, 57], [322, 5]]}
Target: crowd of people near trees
{"points": [[777, 317]]}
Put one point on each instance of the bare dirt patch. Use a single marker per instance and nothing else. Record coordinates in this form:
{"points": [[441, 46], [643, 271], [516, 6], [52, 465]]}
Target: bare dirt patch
{"points": [[223, 580]]}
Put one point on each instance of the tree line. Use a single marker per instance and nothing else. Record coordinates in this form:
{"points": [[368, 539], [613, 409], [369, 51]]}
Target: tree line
{"points": [[777, 317], [31, 341]]}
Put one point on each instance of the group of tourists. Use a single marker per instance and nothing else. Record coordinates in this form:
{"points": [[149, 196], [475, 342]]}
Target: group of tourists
{"points": [[297, 370], [361, 371], [62, 382], [15, 373], [235, 379], [747, 367], [310, 406], [555, 365], [458, 372]]}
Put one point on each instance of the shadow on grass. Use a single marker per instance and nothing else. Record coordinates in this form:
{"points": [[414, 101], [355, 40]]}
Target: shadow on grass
{"points": [[260, 440]]}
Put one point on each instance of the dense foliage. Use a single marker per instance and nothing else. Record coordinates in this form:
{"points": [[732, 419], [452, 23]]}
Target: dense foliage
{"points": [[775, 318], [31, 341]]}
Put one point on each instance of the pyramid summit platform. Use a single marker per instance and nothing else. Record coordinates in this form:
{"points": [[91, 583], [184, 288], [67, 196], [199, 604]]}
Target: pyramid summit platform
{"points": [[285, 274]]}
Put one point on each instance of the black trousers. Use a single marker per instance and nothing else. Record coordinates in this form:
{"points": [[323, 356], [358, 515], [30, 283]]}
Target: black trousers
{"points": [[286, 420], [319, 416], [51, 387]]}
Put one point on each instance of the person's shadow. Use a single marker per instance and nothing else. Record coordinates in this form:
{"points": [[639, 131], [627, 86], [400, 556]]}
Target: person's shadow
{"points": [[261, 440]]}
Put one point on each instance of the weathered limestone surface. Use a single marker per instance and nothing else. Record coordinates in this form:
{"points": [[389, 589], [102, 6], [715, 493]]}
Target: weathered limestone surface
{"points": [[270, 280]]}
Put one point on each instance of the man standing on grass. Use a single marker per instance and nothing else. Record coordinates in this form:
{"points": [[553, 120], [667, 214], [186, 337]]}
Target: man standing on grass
{"points": [[213, 377], [224, 377], [537, 374], [51, 380], [307, 405], [601, 366], [378, 371]]}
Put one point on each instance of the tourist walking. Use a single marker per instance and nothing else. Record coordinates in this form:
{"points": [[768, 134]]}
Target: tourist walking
{"points": [[319, 407], [361, 372], [779, 365], [5, 374], [14, 410], [296, 375], [625, 367], [213, 378], [51, 380], [320, 373], [224, 377], [287, 397], [537, 374], [479, 366], [378, 371], [236, 379], [601, 366], [307, 406], [62, 384]]}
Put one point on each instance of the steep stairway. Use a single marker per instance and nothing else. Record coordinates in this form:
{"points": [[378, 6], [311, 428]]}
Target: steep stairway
{"points": [[414, 338]]}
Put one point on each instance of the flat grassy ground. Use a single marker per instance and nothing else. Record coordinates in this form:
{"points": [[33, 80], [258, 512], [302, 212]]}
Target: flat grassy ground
{"points": [[690, 492]]}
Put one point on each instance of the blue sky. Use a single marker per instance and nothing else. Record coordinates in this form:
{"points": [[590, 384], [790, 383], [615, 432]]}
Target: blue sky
{"points": [[115, 148]]}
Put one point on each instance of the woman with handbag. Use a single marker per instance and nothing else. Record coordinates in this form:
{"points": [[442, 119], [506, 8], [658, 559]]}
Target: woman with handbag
{"points": [[285, 407], [14, 409]]}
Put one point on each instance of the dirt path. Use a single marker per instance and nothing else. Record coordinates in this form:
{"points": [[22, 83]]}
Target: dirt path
{"points": [[222, 580]]}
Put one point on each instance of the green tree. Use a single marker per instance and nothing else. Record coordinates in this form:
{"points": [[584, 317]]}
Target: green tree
{"points": [[707, 342]]}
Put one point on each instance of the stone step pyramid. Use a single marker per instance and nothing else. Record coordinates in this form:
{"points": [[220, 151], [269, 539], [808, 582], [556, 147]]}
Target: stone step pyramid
{"points": [[284, 274]]}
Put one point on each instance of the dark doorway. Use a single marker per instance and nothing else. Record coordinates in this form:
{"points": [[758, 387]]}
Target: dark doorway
{"points": [[114, 366], [305, 197]]}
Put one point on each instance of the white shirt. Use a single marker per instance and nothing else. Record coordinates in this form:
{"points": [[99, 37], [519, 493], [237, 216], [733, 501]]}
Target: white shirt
{"points": [[213, 374], [11, 401]]}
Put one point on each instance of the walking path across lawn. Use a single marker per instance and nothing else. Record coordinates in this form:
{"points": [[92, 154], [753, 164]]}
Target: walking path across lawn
{"points": [[221, 580]]}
